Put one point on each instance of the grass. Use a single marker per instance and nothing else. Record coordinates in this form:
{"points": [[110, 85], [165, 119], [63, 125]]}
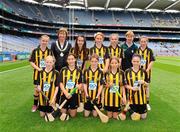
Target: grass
{"points": [[12, 65], [16, 100]]}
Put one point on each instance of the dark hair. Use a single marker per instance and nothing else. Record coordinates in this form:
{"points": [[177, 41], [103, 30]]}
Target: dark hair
{"points": [[136, 55], [76, 47], [72, 55], [113, 58]]}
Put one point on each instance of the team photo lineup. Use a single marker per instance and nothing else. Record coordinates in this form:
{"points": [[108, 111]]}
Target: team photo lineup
{"points": [[90, 65], [105, 82]]}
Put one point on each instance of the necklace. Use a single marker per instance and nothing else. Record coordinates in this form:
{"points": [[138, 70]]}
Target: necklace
{"points": [[62, 50]]}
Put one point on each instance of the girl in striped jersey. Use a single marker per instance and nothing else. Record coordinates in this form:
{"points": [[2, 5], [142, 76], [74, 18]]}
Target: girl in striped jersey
{"points": [[101, 51], [147, 60], [136, 78], [70, 77], [37, 62], [93, 84], [81, 52], [114, 49], [114, 84], [48, 83]]}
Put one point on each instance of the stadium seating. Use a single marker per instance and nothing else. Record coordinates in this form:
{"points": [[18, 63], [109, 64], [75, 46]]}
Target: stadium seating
{"points": [[83, 17], [11, 43], [92, 20]]}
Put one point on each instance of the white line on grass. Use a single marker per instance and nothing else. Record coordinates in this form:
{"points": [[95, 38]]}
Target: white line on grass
{"points": [[14, 69]]}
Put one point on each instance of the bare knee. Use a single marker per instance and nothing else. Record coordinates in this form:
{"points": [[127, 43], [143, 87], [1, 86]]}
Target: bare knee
{"points": [[143, 116], [86, 113], [35, 90], [94, 113], [115, 114], [73, 113], [63, 110], [109, 114]]}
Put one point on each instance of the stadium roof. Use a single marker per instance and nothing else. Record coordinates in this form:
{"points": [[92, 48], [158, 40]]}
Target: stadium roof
{"points": [[149, 5]]}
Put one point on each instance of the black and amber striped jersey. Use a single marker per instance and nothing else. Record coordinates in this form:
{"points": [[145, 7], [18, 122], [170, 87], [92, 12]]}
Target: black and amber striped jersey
{"points": [[48, 82], [81, 57], [132, 79], [111, 98], [93, 80], [70, 78], [146, 57], [38, 57], [117, 52], [102, 53]]}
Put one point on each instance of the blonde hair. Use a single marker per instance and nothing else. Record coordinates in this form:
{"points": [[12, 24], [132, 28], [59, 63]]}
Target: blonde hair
{"points": [[129, 33], [44, 36], [49, 57], [114, 34], [99, 33], [144, 37]]}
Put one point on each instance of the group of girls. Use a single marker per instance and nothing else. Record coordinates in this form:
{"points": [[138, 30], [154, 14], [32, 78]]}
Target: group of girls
{"points": [[97, 74]]}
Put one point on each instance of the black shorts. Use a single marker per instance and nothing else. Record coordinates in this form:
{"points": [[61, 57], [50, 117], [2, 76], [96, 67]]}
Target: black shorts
{"points": [[112, 108], [58, 95], [72, 103], [36, 80], [47, 109], [141, 109], [89, 106]]}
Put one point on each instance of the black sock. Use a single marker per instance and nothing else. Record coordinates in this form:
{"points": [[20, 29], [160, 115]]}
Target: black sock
{"points": [[36, 100], [147, 101]]}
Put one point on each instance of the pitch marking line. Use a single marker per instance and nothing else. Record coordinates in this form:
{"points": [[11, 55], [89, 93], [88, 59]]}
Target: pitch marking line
{"points": [[14, 69]]}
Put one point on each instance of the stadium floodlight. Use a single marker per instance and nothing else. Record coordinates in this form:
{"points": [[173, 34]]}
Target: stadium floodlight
{"points": [[134, 9], [172, 11], [75, 7], [51, 4], [31, 1], [59, 2], [79, 2], [116, 9], [153, 10], [96, 8]]}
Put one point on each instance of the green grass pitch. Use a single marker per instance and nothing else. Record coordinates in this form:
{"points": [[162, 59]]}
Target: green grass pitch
{"points": [[16, 97]]}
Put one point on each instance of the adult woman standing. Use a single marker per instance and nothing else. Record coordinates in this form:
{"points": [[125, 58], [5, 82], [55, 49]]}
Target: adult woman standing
{"points": [[61, 49]]}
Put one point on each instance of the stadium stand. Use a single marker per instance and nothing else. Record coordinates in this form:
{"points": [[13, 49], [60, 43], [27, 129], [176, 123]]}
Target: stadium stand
{"points": [[12, 43], [32, 20], [45, 13]]}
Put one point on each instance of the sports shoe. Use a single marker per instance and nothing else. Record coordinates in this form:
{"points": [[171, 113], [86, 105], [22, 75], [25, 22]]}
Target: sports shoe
{"points": [[34, 108], [148, 107]]}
